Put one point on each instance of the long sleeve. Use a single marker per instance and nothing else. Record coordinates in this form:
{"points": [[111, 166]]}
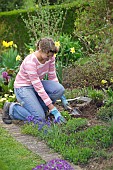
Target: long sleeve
{"points": [[31, 71], [52, 70]]}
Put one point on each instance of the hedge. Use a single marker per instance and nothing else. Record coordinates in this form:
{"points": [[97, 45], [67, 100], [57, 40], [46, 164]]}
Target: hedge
{"points": [[13, 28]]}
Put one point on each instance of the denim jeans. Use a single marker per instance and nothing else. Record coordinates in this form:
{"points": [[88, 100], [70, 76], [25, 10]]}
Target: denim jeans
{"points": [[31, 103]]}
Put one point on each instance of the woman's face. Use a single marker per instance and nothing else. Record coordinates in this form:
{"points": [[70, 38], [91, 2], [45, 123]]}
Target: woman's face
{"points": [[46, 56]]}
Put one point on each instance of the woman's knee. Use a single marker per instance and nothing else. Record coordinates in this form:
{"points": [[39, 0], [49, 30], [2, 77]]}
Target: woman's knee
{"points": [[61, 90]]}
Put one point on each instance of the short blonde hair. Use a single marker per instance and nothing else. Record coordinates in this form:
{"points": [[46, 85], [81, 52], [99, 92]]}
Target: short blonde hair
{"points": [[47, 45]]}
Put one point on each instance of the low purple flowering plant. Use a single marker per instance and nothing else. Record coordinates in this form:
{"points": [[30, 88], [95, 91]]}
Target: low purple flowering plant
{"points": [[55, 164], [40, 122]]}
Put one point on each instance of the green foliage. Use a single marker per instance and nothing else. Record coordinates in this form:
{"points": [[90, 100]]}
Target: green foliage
{"points": [[30, 129], [10, 5], [70, 50], [59, 70], [18, 35], [73, 143], [92, 25], [105, 113], [9, 59], [9, 21], [66, 115], [10, 62], [74, 125], [78, 155], [109, 97], [97, 96], [95, 137], [44, 22], [28, 4]]}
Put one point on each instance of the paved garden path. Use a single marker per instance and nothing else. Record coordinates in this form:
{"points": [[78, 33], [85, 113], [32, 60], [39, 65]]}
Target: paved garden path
{"points": [[32, 143]]}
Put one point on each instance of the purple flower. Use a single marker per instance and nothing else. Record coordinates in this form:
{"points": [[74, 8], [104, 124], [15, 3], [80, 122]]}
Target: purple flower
{"points": [[39, 167], [55, 164], [5, 74], [30, 118], [39, 121]]}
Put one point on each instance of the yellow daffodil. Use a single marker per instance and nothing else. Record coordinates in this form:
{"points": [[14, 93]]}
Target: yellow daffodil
{"points": [[111, 80], [14, 45], [57, 44], [3, 99], [36, 5], [103, 81], [13, 96], [11, 91], [5, 44], [6, 95], [31, 50], [18, 58], [10, 43], [55, 55], [72, 50]]}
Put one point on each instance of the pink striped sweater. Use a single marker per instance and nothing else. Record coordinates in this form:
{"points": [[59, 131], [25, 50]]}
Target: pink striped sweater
{"points": [[32, 72]]}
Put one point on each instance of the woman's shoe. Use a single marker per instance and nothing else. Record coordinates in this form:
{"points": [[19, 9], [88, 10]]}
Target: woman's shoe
{"points": [[5, 115]]}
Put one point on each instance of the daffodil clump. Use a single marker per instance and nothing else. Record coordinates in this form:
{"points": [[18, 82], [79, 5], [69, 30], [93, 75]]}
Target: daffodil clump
{"points": [[11, 44], [69, 51], [10, 62], [8, 44]]}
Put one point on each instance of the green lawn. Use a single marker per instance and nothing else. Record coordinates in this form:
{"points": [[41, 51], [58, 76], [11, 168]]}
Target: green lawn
{"points": [[14, 156]]}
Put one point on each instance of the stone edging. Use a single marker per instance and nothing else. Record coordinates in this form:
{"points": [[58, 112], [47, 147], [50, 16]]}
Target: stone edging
{"points": [[37, 147]]}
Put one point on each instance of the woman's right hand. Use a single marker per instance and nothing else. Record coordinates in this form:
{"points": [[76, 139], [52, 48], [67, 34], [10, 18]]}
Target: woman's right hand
{"points": [[58, 117]]}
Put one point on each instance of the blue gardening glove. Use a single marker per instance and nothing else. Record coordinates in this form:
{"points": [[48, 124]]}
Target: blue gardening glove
{"points": [[64, 102], [58, 117]]}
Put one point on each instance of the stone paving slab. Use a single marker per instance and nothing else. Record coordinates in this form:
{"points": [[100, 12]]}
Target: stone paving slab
{"points": [[32, 143]]}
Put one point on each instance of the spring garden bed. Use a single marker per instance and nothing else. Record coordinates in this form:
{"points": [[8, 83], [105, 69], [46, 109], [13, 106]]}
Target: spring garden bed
{"points": [[84, 140]]}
